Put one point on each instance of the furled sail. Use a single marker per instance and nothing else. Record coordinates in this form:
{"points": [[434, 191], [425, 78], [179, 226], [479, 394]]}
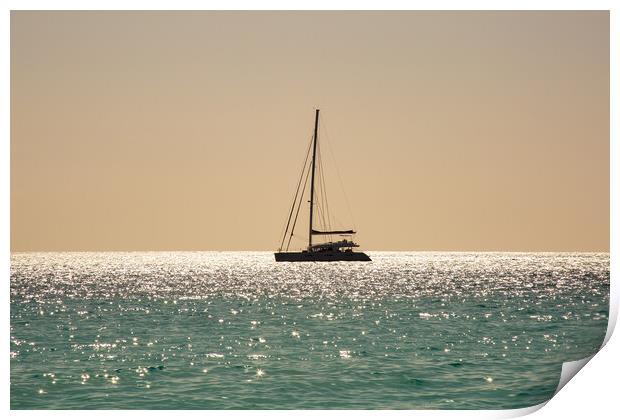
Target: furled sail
{"points": [[333, 232]]}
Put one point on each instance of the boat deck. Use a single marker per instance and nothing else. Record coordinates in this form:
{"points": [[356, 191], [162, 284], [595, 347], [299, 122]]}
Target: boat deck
{"points": [[321, 256]]}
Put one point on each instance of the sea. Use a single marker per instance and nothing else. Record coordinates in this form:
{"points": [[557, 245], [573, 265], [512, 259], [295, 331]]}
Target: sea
{"points": [[236, 330]]}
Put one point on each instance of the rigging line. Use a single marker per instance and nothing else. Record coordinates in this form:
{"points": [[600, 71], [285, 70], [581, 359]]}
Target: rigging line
{"points": [[326, 200], [303, 169], [329, 215], [299, 206], [324, 203], [329, 237], [324, 126], [295, 198], [338, 222], [323, 196], [319, 212], [320, 177]]}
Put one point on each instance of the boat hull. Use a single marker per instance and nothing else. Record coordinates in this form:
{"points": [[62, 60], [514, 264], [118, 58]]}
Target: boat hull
{"points": [[321, 256]]}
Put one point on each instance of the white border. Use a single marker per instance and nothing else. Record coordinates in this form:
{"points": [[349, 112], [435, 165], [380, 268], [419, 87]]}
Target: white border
{"points": [[311, 5], [593, 393]]}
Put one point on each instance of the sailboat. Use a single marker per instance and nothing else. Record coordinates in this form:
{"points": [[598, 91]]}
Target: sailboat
{"points": [[340, 250]]}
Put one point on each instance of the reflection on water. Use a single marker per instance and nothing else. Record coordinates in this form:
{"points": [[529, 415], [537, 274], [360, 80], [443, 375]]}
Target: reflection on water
{"points": [[237, 330]]}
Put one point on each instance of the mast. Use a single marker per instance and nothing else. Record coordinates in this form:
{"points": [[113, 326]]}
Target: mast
{"points": [[316, 129]]}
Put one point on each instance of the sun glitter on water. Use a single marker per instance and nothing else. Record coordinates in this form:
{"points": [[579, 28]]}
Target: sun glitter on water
{"points": [[406, 322]]}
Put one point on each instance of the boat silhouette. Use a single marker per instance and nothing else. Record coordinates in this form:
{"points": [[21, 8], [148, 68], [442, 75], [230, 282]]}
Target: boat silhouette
{"points": [[340, 250]]}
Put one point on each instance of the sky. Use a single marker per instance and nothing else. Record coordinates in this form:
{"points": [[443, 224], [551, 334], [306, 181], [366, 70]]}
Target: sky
{"points": [[461, 131]]}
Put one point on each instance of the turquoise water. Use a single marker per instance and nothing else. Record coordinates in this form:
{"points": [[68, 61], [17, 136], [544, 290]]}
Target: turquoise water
{"points": [[225, 330]]}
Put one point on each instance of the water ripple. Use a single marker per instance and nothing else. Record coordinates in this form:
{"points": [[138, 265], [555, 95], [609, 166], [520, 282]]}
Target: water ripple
{"points": [[237, 330]]}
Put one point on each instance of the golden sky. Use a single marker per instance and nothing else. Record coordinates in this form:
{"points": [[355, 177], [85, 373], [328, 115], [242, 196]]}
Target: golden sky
{"points": [[187, 130]]}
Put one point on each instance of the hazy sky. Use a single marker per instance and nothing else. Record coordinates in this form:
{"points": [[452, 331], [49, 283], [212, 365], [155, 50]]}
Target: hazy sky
{"points": [[187, 130]]}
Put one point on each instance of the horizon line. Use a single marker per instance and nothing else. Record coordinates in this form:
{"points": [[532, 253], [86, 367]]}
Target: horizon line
{"points": [[271, 251]]}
